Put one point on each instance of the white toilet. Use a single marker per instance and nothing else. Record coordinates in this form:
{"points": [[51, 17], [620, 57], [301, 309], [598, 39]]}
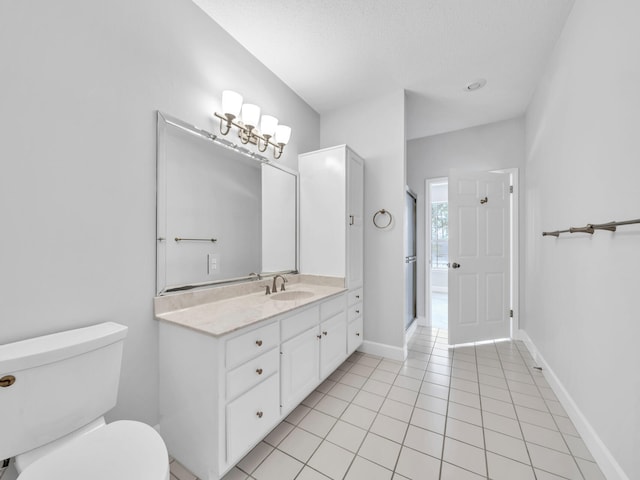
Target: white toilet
{"points": [[54, 391]]}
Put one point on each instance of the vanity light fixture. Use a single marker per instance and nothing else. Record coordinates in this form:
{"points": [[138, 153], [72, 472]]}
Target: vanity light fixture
{"points": [[246, 118]]}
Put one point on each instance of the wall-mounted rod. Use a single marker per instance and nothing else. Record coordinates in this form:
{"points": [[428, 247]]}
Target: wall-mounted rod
{"points": [[592, 227], [555, 233], [179, 239], [586, 229]]}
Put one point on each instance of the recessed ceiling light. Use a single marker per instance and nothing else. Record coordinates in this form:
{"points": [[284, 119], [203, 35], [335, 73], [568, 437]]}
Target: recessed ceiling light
{"points": [[477, 85]]}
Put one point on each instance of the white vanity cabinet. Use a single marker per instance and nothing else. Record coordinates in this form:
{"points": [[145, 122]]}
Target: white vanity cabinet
{"points": [[252, 377], [354, 316], [312, 355], [220, 395], [332, 214]]}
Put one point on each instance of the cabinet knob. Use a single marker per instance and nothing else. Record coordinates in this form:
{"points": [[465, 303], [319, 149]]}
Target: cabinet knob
{"points": [[324, 333], [259, 371], [7, 381], [358, 296], [259, 343], [259, 414], [319, 336], [357, 334], [357, 311]]}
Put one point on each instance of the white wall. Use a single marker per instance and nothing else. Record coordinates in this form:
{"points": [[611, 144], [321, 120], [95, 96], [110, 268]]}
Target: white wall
{"points": [[80, 85], [583, 167], [487, 147], [382, 145]]}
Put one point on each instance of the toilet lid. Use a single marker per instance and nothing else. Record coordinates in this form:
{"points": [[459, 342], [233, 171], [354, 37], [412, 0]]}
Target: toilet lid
{"points": [[123, 450]]}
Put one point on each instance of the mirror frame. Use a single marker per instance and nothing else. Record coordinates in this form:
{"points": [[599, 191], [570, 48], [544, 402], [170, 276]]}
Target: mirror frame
{"points": [[163, 121]]}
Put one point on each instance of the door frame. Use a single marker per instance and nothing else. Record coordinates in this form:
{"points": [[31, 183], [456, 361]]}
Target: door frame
{"points": [[515, 247], [427, 244], [409, 330]]}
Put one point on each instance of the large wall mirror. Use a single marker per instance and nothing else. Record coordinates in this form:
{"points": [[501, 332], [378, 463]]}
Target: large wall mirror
{"points": [[224, 213]]}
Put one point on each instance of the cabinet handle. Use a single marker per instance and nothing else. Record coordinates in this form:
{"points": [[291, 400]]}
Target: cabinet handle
{"points": [[357, 334], [259, 343], [259, 414], [324, 333], [351, 220], [259, 371], [7, 381]]}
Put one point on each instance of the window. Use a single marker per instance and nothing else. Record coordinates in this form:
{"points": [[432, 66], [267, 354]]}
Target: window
{"points": [[439, 235]]}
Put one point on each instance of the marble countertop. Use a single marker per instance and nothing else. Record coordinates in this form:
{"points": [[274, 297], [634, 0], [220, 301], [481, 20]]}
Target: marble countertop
{"points": [[218, 313]]}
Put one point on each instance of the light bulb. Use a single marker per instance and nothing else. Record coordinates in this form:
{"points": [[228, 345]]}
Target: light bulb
{"points": [[250, 115], [268, 125], [283, 134], [231, 103]]}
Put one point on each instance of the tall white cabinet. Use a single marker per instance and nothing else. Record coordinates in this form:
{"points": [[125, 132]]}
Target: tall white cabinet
{"points": [[332, 224]]}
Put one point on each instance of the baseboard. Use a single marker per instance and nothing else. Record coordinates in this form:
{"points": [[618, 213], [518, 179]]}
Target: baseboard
{"points": [[410, 331], [605, 460], [383, 350], [422, 321]]}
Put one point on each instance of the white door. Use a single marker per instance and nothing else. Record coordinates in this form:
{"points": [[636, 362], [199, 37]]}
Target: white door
{"points": [[479, 256]]}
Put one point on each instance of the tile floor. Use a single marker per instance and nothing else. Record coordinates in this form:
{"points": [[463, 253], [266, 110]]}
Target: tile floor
{"points": [[439, 309], [473, 412]]}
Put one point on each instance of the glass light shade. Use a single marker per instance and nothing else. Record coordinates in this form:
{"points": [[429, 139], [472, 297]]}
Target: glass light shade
{"points": [[231, 103], [268, 125], [283, 134], [250, 115]]}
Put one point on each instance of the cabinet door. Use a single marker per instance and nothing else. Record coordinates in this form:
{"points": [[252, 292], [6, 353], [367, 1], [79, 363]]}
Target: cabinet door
{"points": [[299, 367], [354, 335], [333, 347], [355, 221], [322, 212]]}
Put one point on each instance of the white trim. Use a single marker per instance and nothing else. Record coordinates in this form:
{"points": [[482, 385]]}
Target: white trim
{"points": [[422, 321], [383, 350], [515, 249], [411, 330], [606, 461]]}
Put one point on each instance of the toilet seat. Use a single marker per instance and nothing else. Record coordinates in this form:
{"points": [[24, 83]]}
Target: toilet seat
{"points": [[122, 450]]}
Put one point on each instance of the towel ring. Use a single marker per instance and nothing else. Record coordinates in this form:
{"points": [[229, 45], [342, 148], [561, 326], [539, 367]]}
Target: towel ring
{"points": [[382, 212]]}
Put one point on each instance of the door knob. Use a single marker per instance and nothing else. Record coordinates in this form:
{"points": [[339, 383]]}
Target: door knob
{"points": [[455, 265]]}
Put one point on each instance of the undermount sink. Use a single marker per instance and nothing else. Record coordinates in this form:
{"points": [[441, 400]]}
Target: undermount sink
{"points": [[292, 295]]}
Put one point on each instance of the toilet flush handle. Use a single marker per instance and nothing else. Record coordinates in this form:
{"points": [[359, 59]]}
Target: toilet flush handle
{"points": [[7, 381]]}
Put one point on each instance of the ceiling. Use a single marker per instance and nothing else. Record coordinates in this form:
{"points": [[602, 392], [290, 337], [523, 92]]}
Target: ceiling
{"points": [[333, 53]]}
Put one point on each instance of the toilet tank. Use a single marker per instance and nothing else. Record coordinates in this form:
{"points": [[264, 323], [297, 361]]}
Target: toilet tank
{"points": [[62, 382]]}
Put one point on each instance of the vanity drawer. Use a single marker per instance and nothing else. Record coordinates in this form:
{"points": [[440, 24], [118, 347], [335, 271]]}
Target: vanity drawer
{"points": [[295, 324], [251, 416], [355, 311], [330, 307], [249, 374], [355, 296], [251, 344], [354, 335]]}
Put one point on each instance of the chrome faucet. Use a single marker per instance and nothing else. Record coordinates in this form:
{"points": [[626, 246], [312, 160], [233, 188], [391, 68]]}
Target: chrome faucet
{"points": [[274, 287]]}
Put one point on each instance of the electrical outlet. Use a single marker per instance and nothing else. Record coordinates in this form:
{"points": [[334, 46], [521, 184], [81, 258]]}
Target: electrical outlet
{"points": [[212, 263]]}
